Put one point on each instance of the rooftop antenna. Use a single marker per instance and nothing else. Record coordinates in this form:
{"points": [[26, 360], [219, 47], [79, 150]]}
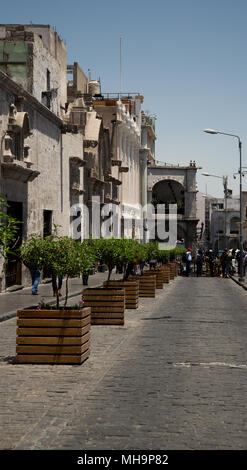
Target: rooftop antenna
{"points": [[89, 75], [120, 94]]}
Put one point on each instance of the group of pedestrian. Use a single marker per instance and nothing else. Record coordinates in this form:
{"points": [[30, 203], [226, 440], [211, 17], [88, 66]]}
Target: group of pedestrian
{"points": [[221, 264]]}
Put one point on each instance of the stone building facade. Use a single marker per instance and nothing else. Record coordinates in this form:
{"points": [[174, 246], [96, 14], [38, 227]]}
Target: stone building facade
{"points": [[41, 152], [63, 144], [170, 184], [147, 157], [122, 116], [222, 223]]}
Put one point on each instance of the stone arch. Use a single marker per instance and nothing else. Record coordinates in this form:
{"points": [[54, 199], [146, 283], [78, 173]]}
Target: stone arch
{"points": [[169, 191], [181, 232]]}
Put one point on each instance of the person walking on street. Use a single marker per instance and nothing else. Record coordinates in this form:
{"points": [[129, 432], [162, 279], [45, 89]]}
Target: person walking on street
{"points": [[35, 275], [211, 262], [217, 265], [237, 258], [188, 261], [233, 262], [199, 263], [244, 263], [223, 262], [56, 284], [228, 262]]}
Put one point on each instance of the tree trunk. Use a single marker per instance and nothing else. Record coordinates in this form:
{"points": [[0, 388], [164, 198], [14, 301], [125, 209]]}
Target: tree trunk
{"points": [[109, 274], [67, 291], [124, 271], [57, 300]]}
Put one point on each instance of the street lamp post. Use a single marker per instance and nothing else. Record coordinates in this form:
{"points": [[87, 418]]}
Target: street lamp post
{"points": [[225, 183], [212, 131]]}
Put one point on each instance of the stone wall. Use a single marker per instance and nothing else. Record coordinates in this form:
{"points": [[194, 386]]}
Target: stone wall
{"points": [[50, 153]]}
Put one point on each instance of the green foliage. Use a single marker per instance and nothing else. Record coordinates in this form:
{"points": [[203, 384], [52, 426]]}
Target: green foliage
{"points": [[67, 258], [110, 249], [114, 251], [61, 256], [141, 252], [9, 227], [32, 252], [128, 251], [153, 251], [95, 248], [87, 255]]}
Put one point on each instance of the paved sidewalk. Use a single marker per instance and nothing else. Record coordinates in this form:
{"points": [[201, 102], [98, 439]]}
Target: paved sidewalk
{"points": [[11, 301]]}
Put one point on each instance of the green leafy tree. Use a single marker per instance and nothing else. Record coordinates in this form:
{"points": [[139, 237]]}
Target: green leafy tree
{"points": [[109, 249], [62, 256], [32, 252], [9, 228], [128, 253]]}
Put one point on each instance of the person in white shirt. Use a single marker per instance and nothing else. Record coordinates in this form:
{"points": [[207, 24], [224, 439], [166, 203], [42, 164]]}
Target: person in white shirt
{"points": [[188, 261]]}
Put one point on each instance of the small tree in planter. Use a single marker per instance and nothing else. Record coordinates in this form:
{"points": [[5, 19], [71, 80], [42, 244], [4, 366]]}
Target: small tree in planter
{"points": [[142, 254], [128, 253], [57, 335], [66, 258], [152, 250], [110, 249], [87, 256], [32, 252]]}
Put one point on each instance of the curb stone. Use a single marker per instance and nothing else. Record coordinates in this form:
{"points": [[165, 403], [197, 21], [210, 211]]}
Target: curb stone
{"points": [[238, 282], [9, 315]]}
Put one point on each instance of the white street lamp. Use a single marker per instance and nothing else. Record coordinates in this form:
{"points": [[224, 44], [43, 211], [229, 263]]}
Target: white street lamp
{"points": [[212, 131]]}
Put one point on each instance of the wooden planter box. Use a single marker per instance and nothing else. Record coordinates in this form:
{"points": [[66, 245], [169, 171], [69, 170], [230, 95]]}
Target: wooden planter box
{"points": [[166, 274], [159, 277], [131, 291], [107, 305], [53, 336], [147, 285], [173, 270]]}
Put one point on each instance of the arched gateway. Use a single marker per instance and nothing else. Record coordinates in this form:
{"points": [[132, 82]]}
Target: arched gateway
{"points": [[168, 184]]}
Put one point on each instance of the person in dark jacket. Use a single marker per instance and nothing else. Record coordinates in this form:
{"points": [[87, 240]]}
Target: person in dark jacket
{"points": [[211, 262], [199, 263], [223, 262]]}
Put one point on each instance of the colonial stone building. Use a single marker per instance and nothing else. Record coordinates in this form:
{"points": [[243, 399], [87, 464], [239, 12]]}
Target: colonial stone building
{"points": [[222, 223], [147, 157], [41, 148], [63, 144], [171, 184], [122, 116]]}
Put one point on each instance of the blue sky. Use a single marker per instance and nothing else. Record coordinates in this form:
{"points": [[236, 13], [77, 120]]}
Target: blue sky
{"points": [[188, 59]]}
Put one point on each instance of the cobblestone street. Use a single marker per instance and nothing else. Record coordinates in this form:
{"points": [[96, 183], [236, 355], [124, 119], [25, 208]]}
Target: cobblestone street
{"points": [[174, 377]]}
